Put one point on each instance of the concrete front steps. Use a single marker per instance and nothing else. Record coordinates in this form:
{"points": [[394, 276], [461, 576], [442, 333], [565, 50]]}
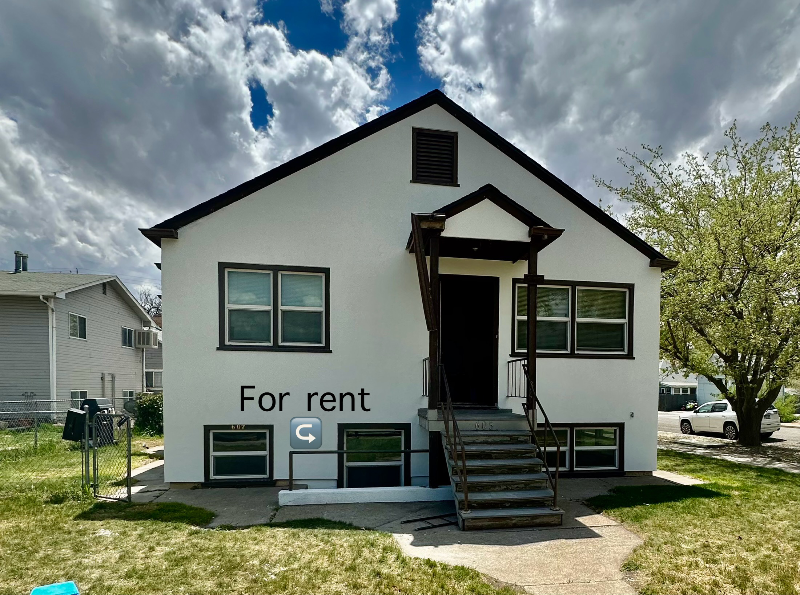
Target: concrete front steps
{"points": [[506, 484]]}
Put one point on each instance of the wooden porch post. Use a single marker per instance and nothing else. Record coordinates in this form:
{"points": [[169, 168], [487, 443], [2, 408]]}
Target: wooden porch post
{"points": [[532, 281], [433, 335]]}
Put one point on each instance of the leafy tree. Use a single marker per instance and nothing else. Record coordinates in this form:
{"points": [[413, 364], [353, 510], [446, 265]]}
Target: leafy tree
{"points": [[150, 301], [731, 308]]}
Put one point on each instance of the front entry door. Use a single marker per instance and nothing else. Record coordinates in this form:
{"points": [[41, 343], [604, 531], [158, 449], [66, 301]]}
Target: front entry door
{"points": [[469, 318]]}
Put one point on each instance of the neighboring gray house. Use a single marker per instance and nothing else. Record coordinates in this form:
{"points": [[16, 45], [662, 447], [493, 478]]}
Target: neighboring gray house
{"points": [[65, 337], [154, 366]]}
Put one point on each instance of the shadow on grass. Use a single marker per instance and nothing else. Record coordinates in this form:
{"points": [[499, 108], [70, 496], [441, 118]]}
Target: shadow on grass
{"points": [[165, 512], [630, 496], [317, 523]]}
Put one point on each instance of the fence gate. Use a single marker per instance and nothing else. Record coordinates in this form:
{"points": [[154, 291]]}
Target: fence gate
{"points": [[110, 444]]}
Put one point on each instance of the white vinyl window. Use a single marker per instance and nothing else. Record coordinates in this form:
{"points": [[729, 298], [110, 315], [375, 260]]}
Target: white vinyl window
{"points": [[373, 469], [77, 326], [302, 308], [127, 337], [248, 307], [152, 379], [601, 320], [562, 434], [239, 454], [76, 397], [596, 448], [552, 319]]}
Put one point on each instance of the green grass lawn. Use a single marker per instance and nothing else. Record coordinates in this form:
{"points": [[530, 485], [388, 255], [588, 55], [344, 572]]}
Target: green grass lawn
{"points": [[739, 533], [53, 533]]}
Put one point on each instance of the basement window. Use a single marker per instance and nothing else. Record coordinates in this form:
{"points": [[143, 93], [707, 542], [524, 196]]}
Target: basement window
{"points": [[545, 439], [385, 468], [76, 397], [239, 454], [434, 157], [596, 448]]}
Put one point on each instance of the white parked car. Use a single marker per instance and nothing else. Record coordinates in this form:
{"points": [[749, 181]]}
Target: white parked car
{"points": [[719, 417]]}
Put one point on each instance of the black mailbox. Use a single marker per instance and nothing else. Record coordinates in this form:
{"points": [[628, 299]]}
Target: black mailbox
{"points": [[98, 406], [74, 425]]}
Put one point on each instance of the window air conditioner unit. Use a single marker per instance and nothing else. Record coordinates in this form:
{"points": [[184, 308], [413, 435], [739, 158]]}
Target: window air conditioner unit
{"points": [[144, 339]]}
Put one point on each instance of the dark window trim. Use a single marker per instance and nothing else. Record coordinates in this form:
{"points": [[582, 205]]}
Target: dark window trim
{"points": [[414, 178], [274, 269], [620, 426], [270, 479], [404, 427], [573, 316]]}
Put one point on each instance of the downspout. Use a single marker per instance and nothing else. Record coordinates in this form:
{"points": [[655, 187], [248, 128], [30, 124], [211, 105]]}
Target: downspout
{"points": [[51, 339]]}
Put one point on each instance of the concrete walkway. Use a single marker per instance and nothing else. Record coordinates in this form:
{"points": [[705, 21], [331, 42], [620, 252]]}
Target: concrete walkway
{"points": [[582, 556]]}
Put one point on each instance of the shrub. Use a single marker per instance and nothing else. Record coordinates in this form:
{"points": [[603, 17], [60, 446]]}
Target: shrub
{"points": [[787, 407], [150, 414]]}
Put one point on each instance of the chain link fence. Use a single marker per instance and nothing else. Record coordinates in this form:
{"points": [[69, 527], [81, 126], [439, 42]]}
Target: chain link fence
{"points": [[34, 459]]}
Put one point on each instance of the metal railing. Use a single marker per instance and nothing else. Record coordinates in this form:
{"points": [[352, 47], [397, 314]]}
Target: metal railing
{"points": [[515, 378], [530, 407], [292, 453], [455, 443]]}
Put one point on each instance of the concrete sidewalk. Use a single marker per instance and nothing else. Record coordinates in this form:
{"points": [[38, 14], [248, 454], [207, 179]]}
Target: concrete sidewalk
{"points": [[582, 556]]}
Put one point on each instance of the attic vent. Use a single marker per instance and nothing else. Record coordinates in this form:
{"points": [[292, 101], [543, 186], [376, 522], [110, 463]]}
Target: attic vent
{"points": [[434, 157]]}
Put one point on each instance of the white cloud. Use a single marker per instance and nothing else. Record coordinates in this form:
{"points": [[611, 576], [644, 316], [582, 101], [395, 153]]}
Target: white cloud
{"points": [[570, 81], [117, 116]]}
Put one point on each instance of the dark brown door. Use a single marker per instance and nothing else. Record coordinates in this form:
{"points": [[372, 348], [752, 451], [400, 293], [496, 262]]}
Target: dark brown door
{"points": [[469, 315]]}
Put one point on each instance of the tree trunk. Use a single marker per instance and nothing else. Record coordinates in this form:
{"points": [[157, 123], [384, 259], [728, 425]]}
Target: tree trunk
{"points": [[749, 414], [749, 427]]}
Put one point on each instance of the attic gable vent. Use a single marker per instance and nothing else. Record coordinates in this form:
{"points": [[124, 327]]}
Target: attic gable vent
{"points": [[434, 157]]}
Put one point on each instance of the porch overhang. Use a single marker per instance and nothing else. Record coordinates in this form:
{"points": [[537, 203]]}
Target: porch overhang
{"points": [[485, 249]]}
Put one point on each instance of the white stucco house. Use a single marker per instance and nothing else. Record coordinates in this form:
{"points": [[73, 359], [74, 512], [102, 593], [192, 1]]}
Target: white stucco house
{"points": [[379, 283]]}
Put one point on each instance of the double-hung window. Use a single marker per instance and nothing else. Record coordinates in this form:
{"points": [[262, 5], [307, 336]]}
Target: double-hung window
{"points": [[152, 379], [274, 308], [601, 320], [575, 319], [77, 326], [552, 319], [373, 456]]}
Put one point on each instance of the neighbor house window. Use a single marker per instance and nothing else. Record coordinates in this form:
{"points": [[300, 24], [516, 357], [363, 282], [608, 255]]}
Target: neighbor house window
{"points": [[128, 395], [77, 326], [596, 448], [274, 308], [575, 319], [552, 318], [434, 157], [239, 454], [152, 379], [76, 397], [601, 320], [127, 337]]}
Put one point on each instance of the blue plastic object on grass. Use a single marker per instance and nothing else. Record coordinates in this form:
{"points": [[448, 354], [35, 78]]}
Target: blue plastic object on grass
{"points": [[69, 588]]}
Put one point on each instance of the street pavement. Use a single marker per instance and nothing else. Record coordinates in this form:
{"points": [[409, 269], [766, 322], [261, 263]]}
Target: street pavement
{"points": [[668, 421]]}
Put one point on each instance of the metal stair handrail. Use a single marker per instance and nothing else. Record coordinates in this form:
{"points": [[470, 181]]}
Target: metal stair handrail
{"points": [[529, 407], [455, 443]]}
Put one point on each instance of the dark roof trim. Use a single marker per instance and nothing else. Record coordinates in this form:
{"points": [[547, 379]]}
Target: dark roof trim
{"points": [[490, 192], [335, 145]]}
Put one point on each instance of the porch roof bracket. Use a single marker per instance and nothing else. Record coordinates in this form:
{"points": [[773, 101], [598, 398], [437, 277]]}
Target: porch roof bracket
{"points": [[541, 236], [436, 224]]}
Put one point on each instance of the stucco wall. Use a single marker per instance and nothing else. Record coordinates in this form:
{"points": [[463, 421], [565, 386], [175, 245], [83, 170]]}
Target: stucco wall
{"points": [[351, 212]]}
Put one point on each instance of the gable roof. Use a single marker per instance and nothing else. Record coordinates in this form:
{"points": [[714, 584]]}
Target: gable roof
{"points": [[169, 228], [491, 193], [31, 284]]}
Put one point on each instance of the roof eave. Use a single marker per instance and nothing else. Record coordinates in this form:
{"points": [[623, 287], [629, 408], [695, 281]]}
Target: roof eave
{"points": [[156, 234]]}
